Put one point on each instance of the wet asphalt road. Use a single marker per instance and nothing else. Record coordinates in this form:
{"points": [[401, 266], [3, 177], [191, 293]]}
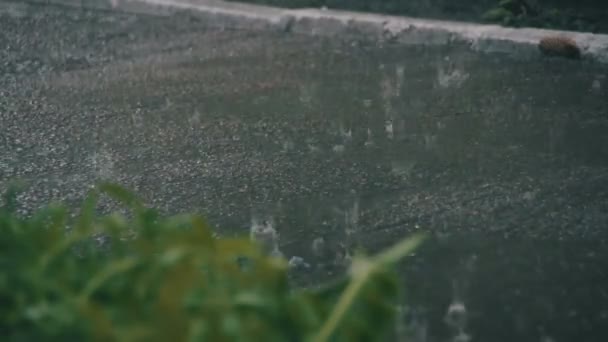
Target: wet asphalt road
{"points": [[506, 161]]}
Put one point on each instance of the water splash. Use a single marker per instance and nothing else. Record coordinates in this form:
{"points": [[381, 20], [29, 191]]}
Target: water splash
{"points": [[137, 118], [411, 324], [462, 337], [346, 134], [195, 120], [323, 253], [402, 168], [388, 128], [399, 78], [263, 232], [168, 103], [596, 86], [351, 219], [448, 75], [102, 163], [546, 338], [298, 262], [338, 148], [370, 138], [308, 93], [387, 92], [456, 316], [351, 231], [312, 145], [319, 247], [287, 146], [430, 140]]}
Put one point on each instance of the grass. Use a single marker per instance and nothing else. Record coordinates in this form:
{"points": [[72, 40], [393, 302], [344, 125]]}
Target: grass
{"points": [[170, 279]]}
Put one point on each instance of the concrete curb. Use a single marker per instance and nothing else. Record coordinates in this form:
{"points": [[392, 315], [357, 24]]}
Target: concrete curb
{"points": [[401, 30]]}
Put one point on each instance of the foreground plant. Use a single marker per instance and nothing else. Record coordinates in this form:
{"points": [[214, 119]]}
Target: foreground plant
{"points": [[169, 279]]}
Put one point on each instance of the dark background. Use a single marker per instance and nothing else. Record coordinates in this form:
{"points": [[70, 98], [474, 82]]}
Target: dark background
{"points": [[583, 15]]}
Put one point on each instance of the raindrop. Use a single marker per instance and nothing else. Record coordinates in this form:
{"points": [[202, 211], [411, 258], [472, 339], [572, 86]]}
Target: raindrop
{"points": [[351, 218], [369, 142], [307, 94], [137, 118], [456, 316], [546, 338], [596, 86], [288, 145], [399, 73], [462, 337], [412, 324], [388, 127], [298, 262], [195, 119], [346, 134], [318, 247], [313, 148]]}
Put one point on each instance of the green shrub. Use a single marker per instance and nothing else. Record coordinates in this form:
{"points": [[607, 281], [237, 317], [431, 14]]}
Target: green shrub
{"points": [[169, 279]]}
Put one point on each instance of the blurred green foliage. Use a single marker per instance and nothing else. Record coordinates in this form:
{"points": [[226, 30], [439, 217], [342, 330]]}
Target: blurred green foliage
{"points": [[169, 279]]}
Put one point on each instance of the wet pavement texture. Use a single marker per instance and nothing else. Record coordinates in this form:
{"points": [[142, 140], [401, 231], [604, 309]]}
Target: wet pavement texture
{"points": [[505, 161]]}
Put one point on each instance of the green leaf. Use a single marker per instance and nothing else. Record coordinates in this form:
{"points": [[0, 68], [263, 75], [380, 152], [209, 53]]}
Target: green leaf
{"points": [[122, 195], [10, 196], [84, 224], [173, 280]]}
